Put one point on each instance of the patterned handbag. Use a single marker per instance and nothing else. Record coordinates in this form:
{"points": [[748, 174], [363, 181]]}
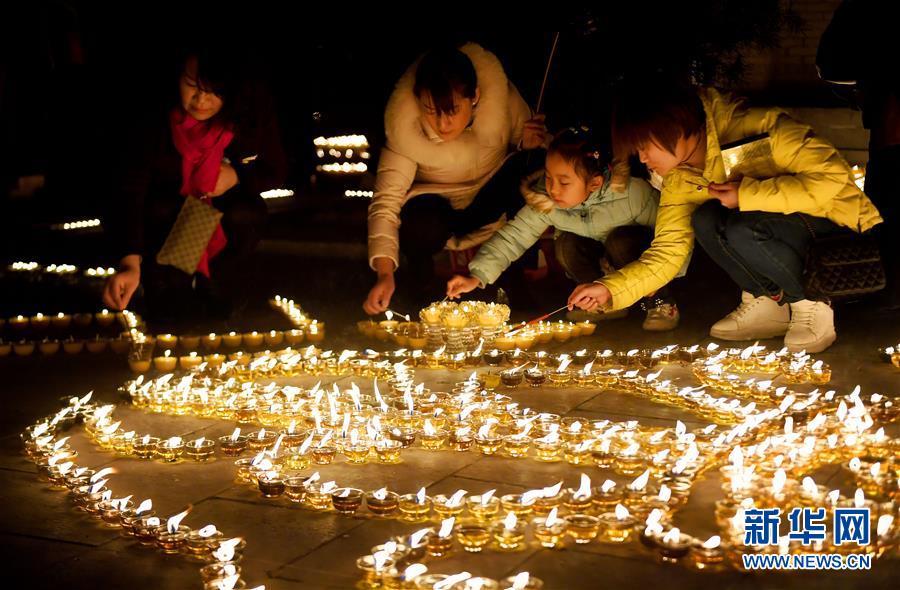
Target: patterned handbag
{"points": [[188, 238], [844, 266]]}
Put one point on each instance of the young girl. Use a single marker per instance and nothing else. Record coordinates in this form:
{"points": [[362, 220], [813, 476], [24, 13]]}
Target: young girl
{"points": [[757, 225], [602, 218]]}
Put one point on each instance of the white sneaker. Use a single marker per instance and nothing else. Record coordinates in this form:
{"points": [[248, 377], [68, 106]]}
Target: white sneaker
{"points": [[754, 319], [811, 328], [662, 318]]}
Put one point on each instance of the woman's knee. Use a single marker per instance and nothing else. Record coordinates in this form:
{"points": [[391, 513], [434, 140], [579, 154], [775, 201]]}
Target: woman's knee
{"points": [[708, 217]]}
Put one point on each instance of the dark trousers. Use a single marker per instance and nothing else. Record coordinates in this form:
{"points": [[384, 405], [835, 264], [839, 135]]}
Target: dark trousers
{"points": [[585, 260], [428, 221], [764, 253], [883, 187], [168, 291]]}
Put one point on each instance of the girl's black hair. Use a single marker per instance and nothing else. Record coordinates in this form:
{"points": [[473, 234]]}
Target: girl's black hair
{"points": [[223, 72], [577, 146], [443, 71]]}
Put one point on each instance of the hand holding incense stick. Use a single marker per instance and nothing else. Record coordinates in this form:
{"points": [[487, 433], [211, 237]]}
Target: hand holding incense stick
{"points": [[536, 320]]}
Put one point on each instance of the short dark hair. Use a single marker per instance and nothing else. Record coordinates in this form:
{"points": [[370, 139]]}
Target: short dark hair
{"points": [[659, 111], [443, 71], [224, 72], [577, 146]]}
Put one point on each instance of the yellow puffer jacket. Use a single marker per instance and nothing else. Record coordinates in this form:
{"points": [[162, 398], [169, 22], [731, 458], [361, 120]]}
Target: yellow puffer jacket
{"points": [[814, 179]]}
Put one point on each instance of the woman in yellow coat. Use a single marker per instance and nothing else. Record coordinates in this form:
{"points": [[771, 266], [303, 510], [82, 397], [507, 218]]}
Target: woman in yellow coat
{"points": [[758, 227]]}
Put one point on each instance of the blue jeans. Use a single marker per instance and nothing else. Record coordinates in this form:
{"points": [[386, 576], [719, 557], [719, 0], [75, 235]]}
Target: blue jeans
{"points": [[764, 253]]}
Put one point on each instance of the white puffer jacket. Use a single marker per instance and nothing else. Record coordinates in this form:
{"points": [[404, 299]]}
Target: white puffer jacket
{"points": [[415, 161]]}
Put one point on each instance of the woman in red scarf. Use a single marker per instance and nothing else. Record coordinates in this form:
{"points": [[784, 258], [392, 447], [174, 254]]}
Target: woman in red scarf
{"points": [[217, 143]]}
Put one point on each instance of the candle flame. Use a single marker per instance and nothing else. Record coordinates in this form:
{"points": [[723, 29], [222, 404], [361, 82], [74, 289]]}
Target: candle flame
{"points": [[456, 499], [875, 469], [144, 506], [173, 523], [673, 536], [452, 581], [101, 474], [235, 434], [379, 558], [509, 523], [415, 539], [98, 486], [380, 494], [621, 512], [859, 498], [884, 524], [584, 490], [712, 542], [551, 491], [520, 582], [640, 481], [665, 493], [420, 496], [446, 528], [207, 531], [228, 583], [552, 518], [414, 571]]}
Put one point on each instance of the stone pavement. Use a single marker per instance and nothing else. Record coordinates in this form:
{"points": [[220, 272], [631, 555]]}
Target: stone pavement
{"points": [[49, 544]]}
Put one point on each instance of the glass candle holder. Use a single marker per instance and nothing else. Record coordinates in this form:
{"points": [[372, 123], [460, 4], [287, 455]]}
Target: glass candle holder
{"points": [[583, 528], [318, 497], [433, 441], [535, 377], [614, 529], [145, 530], [323, 455], [461, 440], [233, 447], [559, 378], [577, 503], [357, 454], [548, 451], [347, 500], [111, 514], [511, 377], [297, 461], [438, 546], [295, 488], [516, 446], [372, 574], [388, 451], [444, 509], [710, 559], [200, 450], [488, 444], [262, 440], [385, 506], [550, 536], [671, 550], [172, 542], [130, 520], [544, 504], [473, 536], [406, 436], [483, 511], [509, 538], [169, 450], [517, 504], [145, 448], [412, 510], [271, 484], [201, 546], [493, 357]]}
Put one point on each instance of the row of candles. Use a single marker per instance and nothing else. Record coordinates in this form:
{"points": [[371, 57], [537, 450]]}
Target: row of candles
{"points": [[60, 321], [90, 492], [788, 407]]}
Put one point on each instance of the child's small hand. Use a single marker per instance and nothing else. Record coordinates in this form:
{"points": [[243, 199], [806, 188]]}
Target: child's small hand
{"points": [[589, 296], [460, 284], [727, 193]]}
